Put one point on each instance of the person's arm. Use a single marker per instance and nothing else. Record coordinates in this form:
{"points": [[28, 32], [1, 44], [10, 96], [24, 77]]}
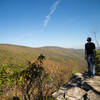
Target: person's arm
{"points": [[94, 50], [85, 52]]}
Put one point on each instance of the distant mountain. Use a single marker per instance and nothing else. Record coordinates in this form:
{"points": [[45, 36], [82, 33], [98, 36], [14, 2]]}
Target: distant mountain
{"points": [[20, 55]]}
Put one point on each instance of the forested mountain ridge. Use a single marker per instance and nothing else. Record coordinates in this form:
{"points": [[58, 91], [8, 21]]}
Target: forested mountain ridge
{"points": [[20, 54]]}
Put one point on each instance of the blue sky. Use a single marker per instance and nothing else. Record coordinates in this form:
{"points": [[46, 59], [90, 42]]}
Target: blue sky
{"points": [[37, 23]]}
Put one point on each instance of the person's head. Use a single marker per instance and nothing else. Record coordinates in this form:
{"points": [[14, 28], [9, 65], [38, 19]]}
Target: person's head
{"points": [[89, 39]]}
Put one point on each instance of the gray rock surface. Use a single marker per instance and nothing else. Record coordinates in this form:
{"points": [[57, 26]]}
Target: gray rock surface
{"points": [[93, 96], [94, 83], [80, 87]]}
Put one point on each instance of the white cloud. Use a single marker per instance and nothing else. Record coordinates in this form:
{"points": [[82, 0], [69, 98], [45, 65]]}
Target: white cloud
{"points": [[52, 10]]}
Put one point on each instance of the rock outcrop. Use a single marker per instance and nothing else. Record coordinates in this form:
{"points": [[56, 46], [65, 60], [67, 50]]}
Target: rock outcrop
{"points": [[80, 87]]}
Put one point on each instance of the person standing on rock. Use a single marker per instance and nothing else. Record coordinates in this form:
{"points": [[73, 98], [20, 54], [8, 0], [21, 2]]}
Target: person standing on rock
{"points": [[90, 54]]}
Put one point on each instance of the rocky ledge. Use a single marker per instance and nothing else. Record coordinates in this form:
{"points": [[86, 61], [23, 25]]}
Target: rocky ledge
{"points": [[80, 87]]}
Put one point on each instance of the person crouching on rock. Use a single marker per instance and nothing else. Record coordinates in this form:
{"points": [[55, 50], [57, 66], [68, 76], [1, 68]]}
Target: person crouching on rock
{"points": [[90, 54]]}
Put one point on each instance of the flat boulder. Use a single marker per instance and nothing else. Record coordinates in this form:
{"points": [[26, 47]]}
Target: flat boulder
{"points": [[92, 95], [75, 93], [94, 83]]}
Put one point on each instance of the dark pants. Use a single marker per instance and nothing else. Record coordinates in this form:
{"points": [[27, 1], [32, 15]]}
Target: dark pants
{"points": [[91, 64]]}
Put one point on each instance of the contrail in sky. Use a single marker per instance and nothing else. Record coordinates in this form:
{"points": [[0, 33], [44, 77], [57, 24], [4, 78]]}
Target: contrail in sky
{"points": [[52, 10]]}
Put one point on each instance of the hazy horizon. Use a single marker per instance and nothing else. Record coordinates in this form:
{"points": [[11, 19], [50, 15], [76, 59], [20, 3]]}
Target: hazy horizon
{"points": [[38, 47]]}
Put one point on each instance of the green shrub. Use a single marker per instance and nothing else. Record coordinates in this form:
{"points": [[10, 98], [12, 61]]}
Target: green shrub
{"points": [[98, 62]]}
